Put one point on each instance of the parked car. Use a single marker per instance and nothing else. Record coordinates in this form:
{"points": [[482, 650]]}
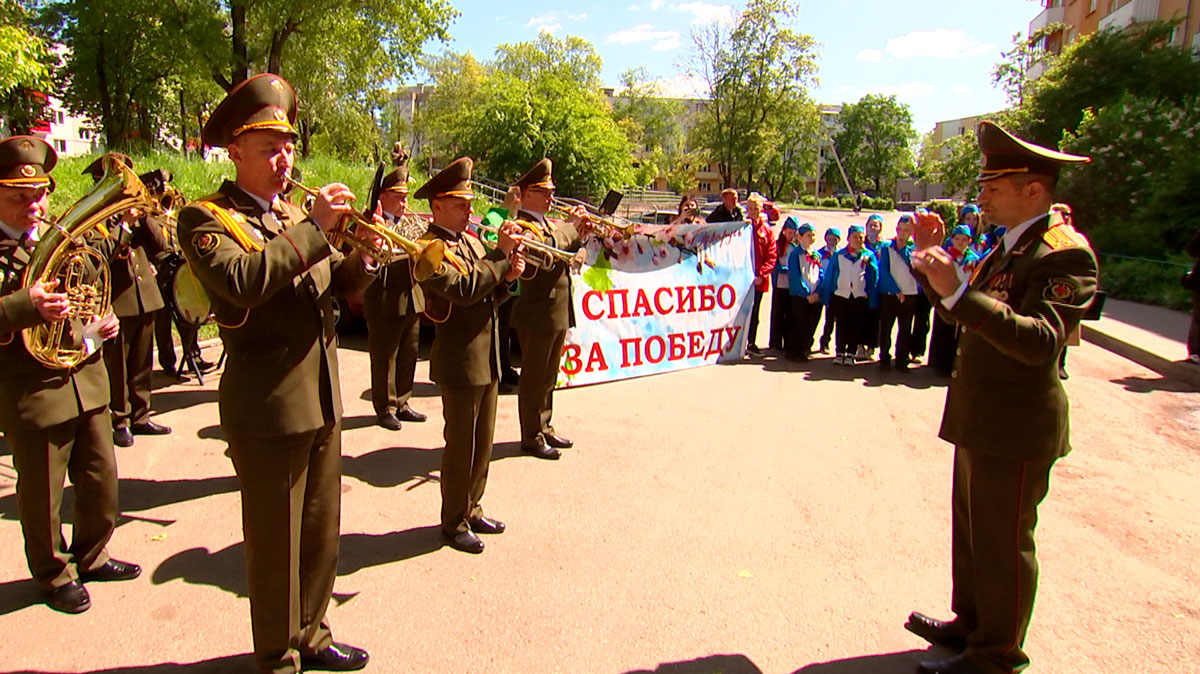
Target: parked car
{"points": [[660, 216]]}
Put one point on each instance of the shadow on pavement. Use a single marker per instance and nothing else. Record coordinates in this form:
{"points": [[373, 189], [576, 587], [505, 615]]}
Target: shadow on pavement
{"points": [[137, 495], [169, 401], [890, 663], [225, 569], [18, 594], [395, 466], [1150, 385], [229, 663], [712, 664]]}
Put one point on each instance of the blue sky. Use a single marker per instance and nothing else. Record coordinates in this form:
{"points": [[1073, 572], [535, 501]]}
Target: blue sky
{"points": [[936, 55]]}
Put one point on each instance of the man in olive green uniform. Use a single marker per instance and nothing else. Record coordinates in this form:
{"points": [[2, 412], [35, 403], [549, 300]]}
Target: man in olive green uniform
{"points": [[392, 306], [1006, 410], [56, 420], [465, 360], [542, 314], [271, 276], [135, 301]]}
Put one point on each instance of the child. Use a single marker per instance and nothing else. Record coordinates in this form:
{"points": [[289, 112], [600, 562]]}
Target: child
{"points": [[804, 283], [848, 287], [898, 292], [944, 343], [833, 239], [781, 296]]}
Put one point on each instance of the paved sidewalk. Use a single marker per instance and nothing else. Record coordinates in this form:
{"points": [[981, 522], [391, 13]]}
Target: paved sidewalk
{"points": [[1153, 337]]}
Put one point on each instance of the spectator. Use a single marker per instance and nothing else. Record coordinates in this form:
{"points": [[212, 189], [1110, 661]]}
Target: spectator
{"points": [[898, 291], [764, 263], [689, 212], [833, 240], [804, 285], [944, 343], [729, 210], [781, 297], [1193, 343], [848, 287]]}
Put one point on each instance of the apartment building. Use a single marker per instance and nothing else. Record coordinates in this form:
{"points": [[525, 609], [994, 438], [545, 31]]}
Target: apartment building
{"points": [[1083, 17]]}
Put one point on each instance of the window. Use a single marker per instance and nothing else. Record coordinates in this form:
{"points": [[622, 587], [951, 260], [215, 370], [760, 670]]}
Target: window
{"points": [[60, 145], [705, 187], [1091, 6]]}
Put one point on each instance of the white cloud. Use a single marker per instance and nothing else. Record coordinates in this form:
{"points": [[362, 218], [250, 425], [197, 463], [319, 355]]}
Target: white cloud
{"points": [[543, 20], [942, 43], [706, 12], [869, 56], [548, 23], [663, 40]]}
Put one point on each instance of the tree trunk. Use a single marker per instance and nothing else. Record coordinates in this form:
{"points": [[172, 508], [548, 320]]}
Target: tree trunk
{"points": [[183, 136], [305, 137], [241, 62], [278, 40], [111, 133]]}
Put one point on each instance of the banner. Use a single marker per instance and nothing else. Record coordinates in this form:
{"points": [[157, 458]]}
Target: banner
{"points": [[669, 299]]}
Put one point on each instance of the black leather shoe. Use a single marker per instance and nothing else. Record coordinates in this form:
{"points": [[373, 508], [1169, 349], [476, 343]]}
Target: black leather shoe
{"points": [[389, 421], [958, 664], [110, 571], [558, 441], [952, 634], [205, 366], [407, 413], [542, 452], [486, 525], [336, 658], [466, 541], [70, 598], [122, 437], [150, 428]]}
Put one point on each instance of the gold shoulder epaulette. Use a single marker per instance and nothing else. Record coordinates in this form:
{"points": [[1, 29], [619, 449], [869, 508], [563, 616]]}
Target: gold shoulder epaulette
{"points": [[1064, 236], [231, 221]]}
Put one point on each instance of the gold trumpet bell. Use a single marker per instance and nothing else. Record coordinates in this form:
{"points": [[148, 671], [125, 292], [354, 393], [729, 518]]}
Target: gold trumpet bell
{"points": [[430, 261]]}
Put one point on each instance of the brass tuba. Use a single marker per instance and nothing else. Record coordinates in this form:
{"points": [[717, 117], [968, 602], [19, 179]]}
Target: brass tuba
{"points": [[63, 255]]}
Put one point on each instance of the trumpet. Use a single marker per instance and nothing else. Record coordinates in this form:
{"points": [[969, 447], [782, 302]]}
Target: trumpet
{"points": [[544, 255], [383, 244], [606, 226]]}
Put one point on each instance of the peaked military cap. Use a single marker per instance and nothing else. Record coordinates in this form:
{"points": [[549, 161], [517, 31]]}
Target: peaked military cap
{"points": [[452, 181], [26, 161], [264, 102], [1004, 154], [396, 181], [538, 176], [96, 168]]}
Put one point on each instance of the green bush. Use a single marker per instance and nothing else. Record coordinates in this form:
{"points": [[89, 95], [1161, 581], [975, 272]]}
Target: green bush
{"points": [[888, 204], [945, 208], [197, 178], [1145, 281], [846, 202], [830, 202], [808, 200]]}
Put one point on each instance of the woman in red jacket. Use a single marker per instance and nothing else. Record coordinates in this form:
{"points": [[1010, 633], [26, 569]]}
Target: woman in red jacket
{"points": [[764, 262]]}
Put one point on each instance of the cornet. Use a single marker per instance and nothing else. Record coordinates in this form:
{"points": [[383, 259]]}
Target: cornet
{"points": [[383, 244], [605, 226], [543, 254]]}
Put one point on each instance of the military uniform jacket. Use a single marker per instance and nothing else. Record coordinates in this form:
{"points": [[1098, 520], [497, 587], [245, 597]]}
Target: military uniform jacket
{"points": [[135, 289], [1005, 397], [395, 291], [33, 396], [544, 304], [271, 280], [466, 349]]}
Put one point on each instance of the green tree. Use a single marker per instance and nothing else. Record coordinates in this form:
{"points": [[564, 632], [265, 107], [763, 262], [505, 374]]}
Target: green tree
{"points": [[536, 99], [25, 67], [789, 150], [876, 141], [1099, 69], [654, 125], [752, 70], [954, 163], [1011, 72]]}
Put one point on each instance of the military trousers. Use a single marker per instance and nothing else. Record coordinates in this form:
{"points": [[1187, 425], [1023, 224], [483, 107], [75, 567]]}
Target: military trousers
{"points": [[81, 449], [994, 559], [469, 413], [291, 515], [128, 358], [393, 342], [541, 356]]}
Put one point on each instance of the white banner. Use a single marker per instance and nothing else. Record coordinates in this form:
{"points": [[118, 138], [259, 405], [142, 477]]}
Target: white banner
{"points": [[671, 298]]}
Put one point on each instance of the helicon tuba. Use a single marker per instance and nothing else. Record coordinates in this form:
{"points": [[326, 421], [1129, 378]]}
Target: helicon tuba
{"points": [[82, 272]]}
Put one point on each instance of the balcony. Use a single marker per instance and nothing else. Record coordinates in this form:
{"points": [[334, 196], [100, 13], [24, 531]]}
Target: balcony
{"points": [[1133, 12], [1048, 16]]}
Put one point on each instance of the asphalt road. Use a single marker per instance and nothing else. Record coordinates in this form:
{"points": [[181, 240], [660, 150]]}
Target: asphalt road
{"points": [[758, 517]]}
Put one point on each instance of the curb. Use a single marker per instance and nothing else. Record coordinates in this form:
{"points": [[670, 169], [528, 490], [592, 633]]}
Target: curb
{"points": [[1185, 372]]}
